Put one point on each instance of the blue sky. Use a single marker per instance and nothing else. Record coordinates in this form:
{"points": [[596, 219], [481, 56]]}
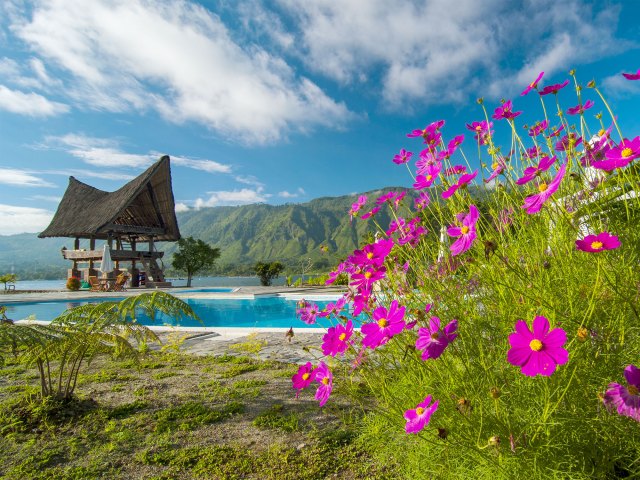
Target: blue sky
{"points": [[275, 101]]}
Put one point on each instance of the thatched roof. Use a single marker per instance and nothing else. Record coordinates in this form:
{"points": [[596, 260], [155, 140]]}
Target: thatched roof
{"points": [[143, 208]]}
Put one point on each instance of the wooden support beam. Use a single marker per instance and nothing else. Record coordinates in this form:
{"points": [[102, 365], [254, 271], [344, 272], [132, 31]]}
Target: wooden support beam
{"points": [[137, 229], [156, 207]]}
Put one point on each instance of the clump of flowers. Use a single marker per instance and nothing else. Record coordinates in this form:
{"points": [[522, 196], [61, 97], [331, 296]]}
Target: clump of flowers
{"points": [[486, 251]]}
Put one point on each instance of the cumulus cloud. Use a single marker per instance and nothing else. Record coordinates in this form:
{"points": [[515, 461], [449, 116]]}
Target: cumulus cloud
{"points": [[30, 104], [618, 86], [182, 207], [176, 58], [22, 178], [23, 219], [287, 194], [435, 53], [243, 196]]}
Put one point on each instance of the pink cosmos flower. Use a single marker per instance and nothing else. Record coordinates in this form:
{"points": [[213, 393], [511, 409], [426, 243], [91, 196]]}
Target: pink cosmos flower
{"points": [[303, 378], [455, 170], [337, 307], [532, 85], [334, 274], [364, 280], [398, 199], [372, 254], [498, 167], [430, 133], [463, 181], [430, 176], [554, 88], [427, 158], [386, 324], [370, 213], [482, 129], [422, 201], [598, 243], [308, 312], [419, 417], [402, 157], [568, 142], [383, 198], [466, 233], [533, 152], [620, 156], [626, 400], [505, 111], [532, 172], [537, 352], [433, 340], [336, 340], [580, 109], [533, 203], [632, 76], [556, 131], [357, 206], [323, 376], [595, 152], [538, 128]]}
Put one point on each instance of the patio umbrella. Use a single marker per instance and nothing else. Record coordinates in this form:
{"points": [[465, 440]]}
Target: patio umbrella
{"points": [[106, 265]]}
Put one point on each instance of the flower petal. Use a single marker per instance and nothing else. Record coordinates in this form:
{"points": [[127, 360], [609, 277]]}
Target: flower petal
{"points": [[540, 327]]}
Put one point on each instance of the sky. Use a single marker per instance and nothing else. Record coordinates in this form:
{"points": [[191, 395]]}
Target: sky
{"points": [[276, 101]]}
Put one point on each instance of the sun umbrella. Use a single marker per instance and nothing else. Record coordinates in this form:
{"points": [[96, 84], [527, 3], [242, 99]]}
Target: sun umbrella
{"points": [[106, 265]]}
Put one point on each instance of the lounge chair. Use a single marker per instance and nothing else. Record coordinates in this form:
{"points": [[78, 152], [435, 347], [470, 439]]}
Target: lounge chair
{"points": [[96, 286], [119, 285]]}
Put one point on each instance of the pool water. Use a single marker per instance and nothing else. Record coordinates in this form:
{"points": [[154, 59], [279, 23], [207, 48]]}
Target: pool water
{"points": [[232, 312], [208, 290]]}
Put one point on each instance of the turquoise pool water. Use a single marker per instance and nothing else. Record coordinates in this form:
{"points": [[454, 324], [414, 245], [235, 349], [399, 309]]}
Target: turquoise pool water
{"points": [[232, 312], [207, 290]]}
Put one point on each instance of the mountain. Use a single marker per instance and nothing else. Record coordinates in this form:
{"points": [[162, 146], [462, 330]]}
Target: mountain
{"points": [[290, 233]]}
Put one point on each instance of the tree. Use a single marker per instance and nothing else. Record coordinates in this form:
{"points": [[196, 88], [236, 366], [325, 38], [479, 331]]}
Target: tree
{"points": [[194, 255], [268, 271], [8, 278], [59, 349]]}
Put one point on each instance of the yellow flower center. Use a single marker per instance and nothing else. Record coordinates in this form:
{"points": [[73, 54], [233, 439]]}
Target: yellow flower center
{"points": [[533, 85], [596, 245], [543, 186], [370, 255], [464, 230], [419, 411], [495, 165], [382, 322], [435, 335], [632, 390], [478, 128], [627, 152], [325, 381], [305, 376], [342, 337], [535, 345], [429, 177], [602, 132], [367, 275]]}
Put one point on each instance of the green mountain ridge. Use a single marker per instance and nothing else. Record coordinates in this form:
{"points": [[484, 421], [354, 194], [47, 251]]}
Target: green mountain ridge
{"points": [[290, 233]]}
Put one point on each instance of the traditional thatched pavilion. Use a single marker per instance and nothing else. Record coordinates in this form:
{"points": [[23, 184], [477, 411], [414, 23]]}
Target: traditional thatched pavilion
{"points": [[143, 210]]}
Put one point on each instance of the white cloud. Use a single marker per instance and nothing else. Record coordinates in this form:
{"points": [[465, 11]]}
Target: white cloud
{"points": [[12, 176], [248, 180], [286, 194], [182, 207], [30, 104], [47, 198], [235, 197], [23, 219], [102, 152], [618, 86], [437, 51], [179, 59]]}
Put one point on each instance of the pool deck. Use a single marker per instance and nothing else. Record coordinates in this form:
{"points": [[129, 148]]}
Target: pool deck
{"points": [[302, 348]]}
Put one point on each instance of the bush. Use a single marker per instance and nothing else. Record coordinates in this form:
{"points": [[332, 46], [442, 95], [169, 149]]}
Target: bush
{"points": [[73, 284], [498, 324]]}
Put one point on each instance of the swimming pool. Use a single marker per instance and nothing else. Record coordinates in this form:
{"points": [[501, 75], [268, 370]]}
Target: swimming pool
{"points": [[273, 311], [208, 290]]}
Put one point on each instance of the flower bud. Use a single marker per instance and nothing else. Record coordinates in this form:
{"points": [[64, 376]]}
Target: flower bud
{"points": [[494, 441], [494, 392], [591, 84], [582, 334]]}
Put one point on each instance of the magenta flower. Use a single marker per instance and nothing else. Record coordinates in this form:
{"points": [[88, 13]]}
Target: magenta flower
{"points": [[370, 213], [462, 182], [455, 170], [419, 417], [533, 152], [482, 129], [336, 340], [433, 340], [466, 233], [626, 400], [537, 352], [323, 376], [383, 198], [357, 206], [422, 201], [337, 307], [505, 111], [372, 254], [431, 174], [533, 203], [308, 312], [430, 133], [398, 199], [556, 131], [538, 128], [568, 142], [632, 76], [303, 378], [554, 88], [620, 156], [580, 109], [498, 167], [532, 172], [365, 279], [386, 324], [532, 85], [402, 157], [598, 243]]}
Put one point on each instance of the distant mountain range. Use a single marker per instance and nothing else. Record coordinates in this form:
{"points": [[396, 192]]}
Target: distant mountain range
{"points": [[290, 233]]}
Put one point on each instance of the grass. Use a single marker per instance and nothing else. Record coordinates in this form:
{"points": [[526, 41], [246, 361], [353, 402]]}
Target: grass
{"points": [[171, 416]]}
